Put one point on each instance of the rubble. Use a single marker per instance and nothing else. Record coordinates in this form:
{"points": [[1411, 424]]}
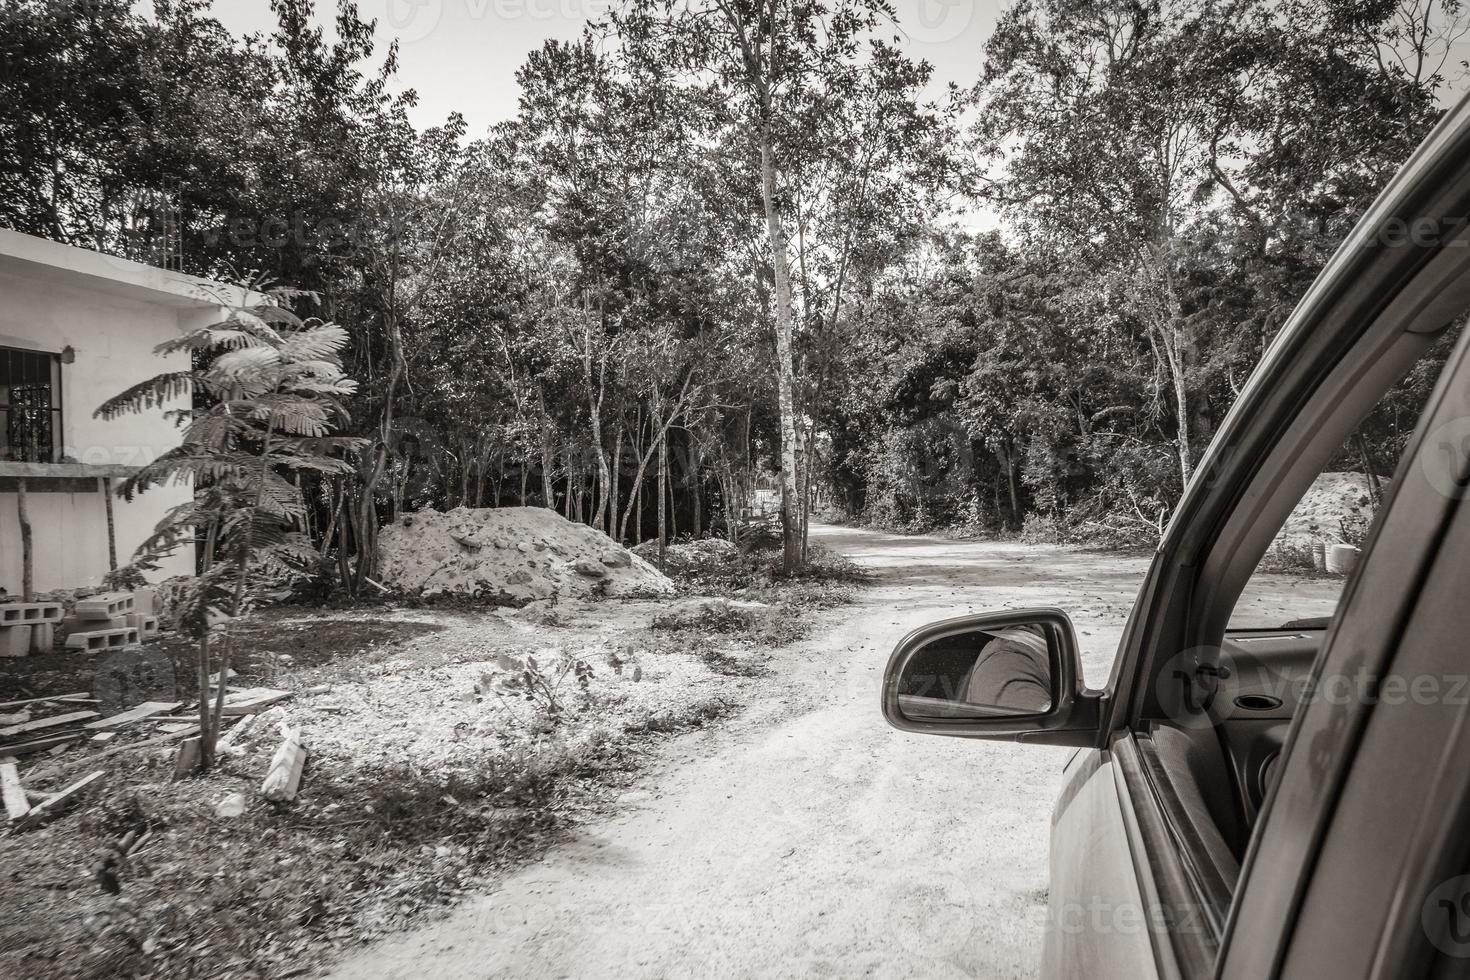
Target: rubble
{"points": [[520, 553]]}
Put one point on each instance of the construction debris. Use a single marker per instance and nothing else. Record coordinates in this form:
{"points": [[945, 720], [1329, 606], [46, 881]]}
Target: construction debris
{"points": [[16, 804], [284, 776], [248, 702], [105, 639], [15, 641], [29, 613], [186, 760], [40, 744], [42, 812], [104, 606], [30, 726], [242, 727], [78, 696], [145, 710], [231, 806], [145, 743]]}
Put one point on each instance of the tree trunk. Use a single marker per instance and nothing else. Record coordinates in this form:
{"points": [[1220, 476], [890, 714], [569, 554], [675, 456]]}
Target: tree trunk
{"points": [[594, 408], [27, 559], [696, 489], [112, 524], [785, 372], [1375, 488], [617, 470], [663, 488], [548, 491]]}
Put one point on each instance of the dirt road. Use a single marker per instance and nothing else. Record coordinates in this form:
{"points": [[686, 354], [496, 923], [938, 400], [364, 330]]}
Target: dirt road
{"points": [[808, 839]]}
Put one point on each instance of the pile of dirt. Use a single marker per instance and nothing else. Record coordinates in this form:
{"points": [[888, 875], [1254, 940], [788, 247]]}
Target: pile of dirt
{"points": [[521, 553], [1334, 500]]}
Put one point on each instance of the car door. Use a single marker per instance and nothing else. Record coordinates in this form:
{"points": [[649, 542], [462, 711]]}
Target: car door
{"points": [[1175, 851]]}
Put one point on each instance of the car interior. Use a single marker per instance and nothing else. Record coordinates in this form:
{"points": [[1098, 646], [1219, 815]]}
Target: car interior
{"points": [[1216, 775]]}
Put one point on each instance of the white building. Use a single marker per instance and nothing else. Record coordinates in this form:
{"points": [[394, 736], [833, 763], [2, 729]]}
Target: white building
{"points": [[77, 327]]}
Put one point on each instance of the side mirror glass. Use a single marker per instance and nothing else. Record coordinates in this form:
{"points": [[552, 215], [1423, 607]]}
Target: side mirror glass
{"points": [[1005, 675], [1005, 671]]}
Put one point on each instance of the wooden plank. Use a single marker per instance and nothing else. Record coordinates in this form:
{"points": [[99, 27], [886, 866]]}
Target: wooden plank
{"points": [[16, 804], [40, 744], [253, 700], [187, 759], [31, 726], [232, 736], [284, 776], [147, 742], [78, 696], [248, 702], [138, 713], [42, 812]]}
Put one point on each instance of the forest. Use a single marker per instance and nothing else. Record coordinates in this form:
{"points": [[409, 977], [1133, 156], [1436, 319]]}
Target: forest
{"points": [[737, 244]]}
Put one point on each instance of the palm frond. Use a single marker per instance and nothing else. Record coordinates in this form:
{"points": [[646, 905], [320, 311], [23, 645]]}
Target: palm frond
{"points": [[154, 393]]}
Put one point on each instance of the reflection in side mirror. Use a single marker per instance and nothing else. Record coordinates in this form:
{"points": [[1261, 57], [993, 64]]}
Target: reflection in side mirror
{"points": [[1013, 675], [979, 673]]}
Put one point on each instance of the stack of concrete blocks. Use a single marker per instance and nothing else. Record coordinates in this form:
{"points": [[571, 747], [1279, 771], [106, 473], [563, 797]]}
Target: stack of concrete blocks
{"points": [[27, 626], [101, 622]]}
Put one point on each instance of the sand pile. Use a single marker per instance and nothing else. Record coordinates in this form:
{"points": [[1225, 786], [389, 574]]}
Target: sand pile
{"points": [[1332, 499], [521, 552]]}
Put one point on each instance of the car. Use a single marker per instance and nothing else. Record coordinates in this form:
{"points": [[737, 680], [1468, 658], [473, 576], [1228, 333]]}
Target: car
{"points": [[1290, 799]]}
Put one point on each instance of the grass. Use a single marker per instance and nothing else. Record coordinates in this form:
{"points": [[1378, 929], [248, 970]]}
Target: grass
{"points": [[417, 790]]}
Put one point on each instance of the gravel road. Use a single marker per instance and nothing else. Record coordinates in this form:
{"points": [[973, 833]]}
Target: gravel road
{"points": [[807, 838]]}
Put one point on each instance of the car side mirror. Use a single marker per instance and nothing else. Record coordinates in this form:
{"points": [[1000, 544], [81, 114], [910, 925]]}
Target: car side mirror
{"points": [[1013, 675]]}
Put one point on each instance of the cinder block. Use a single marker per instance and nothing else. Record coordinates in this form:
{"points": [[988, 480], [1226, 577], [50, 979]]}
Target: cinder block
{"points": [[146, 625], [75, 624], [104, 606], [15, 641], [29, 613], [145, 600], [43, 637], [111, 639]]}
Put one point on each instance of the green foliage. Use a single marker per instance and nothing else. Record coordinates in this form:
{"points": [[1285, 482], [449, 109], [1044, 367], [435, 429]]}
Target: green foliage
{"points": [[266, 390], [535, 312], [552, 687]]}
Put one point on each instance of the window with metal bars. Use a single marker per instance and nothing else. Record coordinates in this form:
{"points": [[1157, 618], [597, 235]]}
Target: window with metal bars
{"points": [[30, 406]]}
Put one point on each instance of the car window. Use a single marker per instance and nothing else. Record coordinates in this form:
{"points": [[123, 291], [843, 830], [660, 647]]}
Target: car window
{"points": [[1298, 582]]}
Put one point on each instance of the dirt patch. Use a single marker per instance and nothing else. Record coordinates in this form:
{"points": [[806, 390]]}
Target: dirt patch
{"points": [[1337, 508], [516, 553], [806, 837]]}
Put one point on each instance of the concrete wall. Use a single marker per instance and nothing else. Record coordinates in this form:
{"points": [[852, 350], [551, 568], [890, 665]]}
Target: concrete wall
{"points": [[113, 337]]}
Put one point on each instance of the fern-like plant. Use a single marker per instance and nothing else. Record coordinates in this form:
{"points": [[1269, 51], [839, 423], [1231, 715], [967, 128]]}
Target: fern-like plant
{"points": [[266, 389]]}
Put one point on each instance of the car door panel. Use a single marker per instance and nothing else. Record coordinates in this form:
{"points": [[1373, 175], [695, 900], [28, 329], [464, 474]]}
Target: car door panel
{"points": [[1097, 907], [1361, 643]]}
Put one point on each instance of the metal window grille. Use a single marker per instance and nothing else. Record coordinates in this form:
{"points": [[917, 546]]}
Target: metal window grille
{"points": [[30, 406]]}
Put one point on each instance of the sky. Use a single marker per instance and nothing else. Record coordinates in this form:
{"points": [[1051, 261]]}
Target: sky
{"points": [[462, 55]]}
